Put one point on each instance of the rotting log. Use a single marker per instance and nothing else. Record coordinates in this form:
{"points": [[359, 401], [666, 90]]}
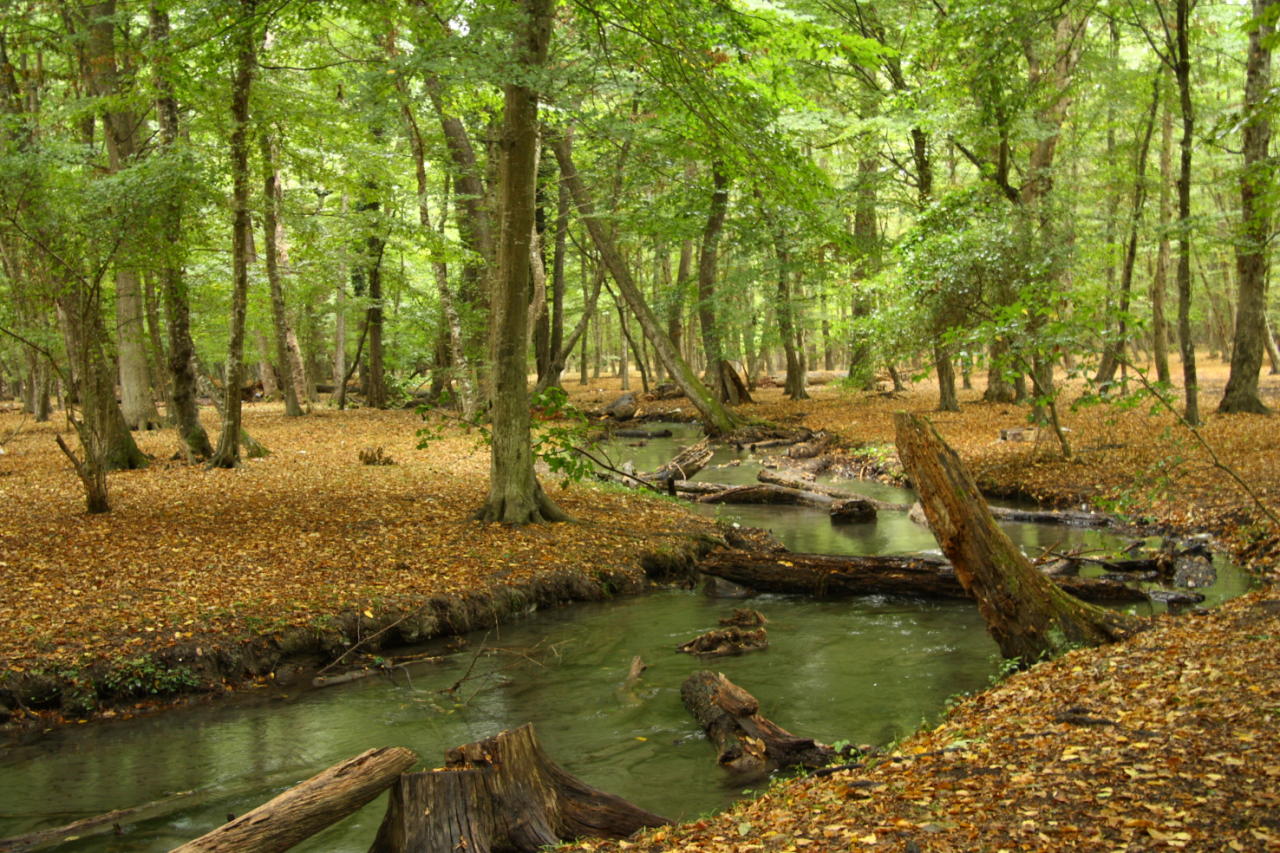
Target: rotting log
{"points": [[642, 433], [501, 793], [834, 575], [1071, 518], [730, 640], [309, 806], [749, 745], [1026, 613], [852, 511], [764, 493], [684, 465]]}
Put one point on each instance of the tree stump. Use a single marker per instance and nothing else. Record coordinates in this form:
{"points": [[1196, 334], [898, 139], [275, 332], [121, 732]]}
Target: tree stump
{"points": [[1026, 613], [750, 746], [501, 793]]}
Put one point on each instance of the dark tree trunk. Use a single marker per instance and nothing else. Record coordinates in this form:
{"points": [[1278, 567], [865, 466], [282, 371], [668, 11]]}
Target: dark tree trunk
{"points": [[501, 794], [227, 454], [1255, 215], [1028, 616], [515, 497], [1186, 340], [947, 400], [1160, 280], [712, 345], [271, 226]]}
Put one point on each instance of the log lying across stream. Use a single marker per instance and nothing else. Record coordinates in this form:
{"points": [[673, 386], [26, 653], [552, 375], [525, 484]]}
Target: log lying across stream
{"points": [[752, 561], [750, 746]]}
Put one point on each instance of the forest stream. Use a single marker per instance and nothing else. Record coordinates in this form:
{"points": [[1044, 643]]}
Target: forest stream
{"points": [[863, 671]]}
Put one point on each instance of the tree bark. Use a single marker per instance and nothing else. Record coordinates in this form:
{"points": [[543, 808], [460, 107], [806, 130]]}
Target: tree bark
{"points": [[227, 454], [1252, 256], [291, 382], [1186, 340], [310, 806], [750, 745], [515, 497], [501, 794], [1026, 614]]}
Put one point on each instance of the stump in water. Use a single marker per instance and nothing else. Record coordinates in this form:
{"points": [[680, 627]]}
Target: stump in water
{"points": [[750, 746], [310, 806], [501, 793], [1027, 615], [726, 641]]}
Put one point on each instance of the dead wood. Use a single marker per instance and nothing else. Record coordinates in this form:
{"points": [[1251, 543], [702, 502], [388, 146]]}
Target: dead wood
{"points": [[749, 745], [726, 641], [764, 493], [1026, 613], [501, 793], [685, 464], [745, 618], [309, 806]]}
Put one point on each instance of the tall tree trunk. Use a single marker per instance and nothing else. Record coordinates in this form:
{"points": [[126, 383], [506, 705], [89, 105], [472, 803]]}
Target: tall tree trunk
{"points": [[290, 363], [1159, 282], [1186, 341], [227, 454], [515, 497], [708, 253], [947, 400], [1255, 222], [715, 417]]}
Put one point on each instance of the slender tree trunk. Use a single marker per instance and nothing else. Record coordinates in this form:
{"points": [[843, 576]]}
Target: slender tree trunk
{"points": [[227, 454], [515, 497], [712, 345], [1255, 214], [271, 227], [1186, 341], [1159, 282]]}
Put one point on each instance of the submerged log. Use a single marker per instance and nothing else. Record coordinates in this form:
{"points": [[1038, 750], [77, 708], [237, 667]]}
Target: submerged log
{"points": [[750, 746], [731, 640], [642, 433], [745, 618], [310, 806], [1026, 613], [501, 793], [832, 575], [852, 511]]}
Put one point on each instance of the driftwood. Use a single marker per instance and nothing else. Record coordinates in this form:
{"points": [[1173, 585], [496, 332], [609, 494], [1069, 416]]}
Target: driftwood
{"points": [[745, 618], [750, 746], [684, 465], [96, 825], [770, 569], [1036, 516], [1027, 615], [731, 640], [764, 493], [501, 793], [310, 806]]}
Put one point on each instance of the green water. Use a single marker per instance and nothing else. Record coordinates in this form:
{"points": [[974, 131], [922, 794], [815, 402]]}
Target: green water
{"points": [[863, 671]]}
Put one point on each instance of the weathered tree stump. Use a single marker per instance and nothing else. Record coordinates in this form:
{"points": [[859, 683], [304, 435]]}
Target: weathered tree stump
{"points": [[310, 806], [501, 793], [1026, 613], [726, 641], [750, 746]]}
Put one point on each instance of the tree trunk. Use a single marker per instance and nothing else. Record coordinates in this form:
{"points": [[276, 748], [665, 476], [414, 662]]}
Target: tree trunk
{"points": [[750, 746], [1028, 616], [947, 400], [291, 381], [310, 806], [515, 497], [1159, 282], [715, 417], [1255, 223], [712, 345], [1186, 341], [227, 454], [501, 794]]}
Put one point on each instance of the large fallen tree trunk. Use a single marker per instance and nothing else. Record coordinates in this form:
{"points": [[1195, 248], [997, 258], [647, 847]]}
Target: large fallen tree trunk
{"points": [[1071, 518], [501, 793], [764, 493], [750, 746], [832, 575], [684, 465], [310, 806], [1027, 615]]}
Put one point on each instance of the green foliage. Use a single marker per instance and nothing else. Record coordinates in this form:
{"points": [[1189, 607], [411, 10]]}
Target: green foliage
{"points": [[145, 676]]}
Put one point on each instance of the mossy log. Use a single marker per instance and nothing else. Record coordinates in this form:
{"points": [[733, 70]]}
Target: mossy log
{"points": [[750, 746], [1026, 613], [501, 794]]}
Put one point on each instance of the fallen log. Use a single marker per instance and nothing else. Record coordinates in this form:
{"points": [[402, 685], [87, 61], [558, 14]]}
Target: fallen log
{"points": [[309, 806], [501, 793], [1026, 614], [764, 493], [642, 433], [731, 640], [750, 746], [684, 465], [96, 825], [831, 575], [852, 511]]}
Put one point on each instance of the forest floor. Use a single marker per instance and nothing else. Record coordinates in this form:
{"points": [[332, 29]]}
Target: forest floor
{"points": [[1167, 740]]}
